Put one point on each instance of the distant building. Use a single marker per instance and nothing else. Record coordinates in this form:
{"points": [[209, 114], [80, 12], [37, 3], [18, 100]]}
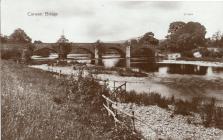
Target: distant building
{"points": [[173, 56], [214, 49], [197, 54]]}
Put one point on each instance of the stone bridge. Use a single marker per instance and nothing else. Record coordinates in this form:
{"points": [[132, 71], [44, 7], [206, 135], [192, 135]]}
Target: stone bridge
{"points": [[125, 51]]}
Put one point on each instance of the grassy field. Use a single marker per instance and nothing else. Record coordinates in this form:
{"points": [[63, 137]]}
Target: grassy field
{"points": [[37, 105]]}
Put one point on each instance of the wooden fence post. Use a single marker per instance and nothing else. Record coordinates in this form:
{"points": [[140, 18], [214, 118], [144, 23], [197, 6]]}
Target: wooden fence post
{"points": [[114, 86], [133, 121], [116, 129], [60, 73], [116, 103], [108, 107], [125, 86]]}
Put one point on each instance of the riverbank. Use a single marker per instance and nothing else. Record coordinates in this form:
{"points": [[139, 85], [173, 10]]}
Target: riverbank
{"points": [[169, 126], [180, 86], [136, 83], [38, 105], [199, 63]]}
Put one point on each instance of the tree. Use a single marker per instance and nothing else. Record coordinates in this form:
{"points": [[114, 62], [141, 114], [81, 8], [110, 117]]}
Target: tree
{"points": [[3, 39], [63, 47], [221, 42], [217, 36], [217, 39], [27, 53], [133, 41], [19, 36], [185, 36], [148, 39], [37, 42], [175, 26]]}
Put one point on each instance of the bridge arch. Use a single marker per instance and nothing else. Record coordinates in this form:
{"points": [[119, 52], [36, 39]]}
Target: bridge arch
{"points": [[82, 49], [114, 49], [44, 51]]}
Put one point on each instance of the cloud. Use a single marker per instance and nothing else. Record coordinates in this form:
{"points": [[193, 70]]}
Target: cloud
{"points": [[103, 31], [75, 12], [132, 4], [167, 5], [164, 5], [76, 9], [87, 21]]}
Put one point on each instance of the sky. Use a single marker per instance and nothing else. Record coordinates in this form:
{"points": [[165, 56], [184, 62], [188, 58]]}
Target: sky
{"points": [[88, 21]]}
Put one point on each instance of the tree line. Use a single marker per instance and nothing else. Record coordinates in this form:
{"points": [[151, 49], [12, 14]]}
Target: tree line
{"points": [[181, 37], [186, 38]]}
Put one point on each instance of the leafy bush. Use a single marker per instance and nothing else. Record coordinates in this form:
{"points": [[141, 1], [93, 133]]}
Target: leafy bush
{"points": [[44, 107], [11, 54], [212, 115], [181, 107], [187, 54], [186, 107], [209, 111]]}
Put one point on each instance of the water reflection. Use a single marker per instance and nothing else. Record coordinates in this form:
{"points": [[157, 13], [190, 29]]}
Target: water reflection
{"points": [[108, 63], [164, 69], [146, 64], [81, 58], [50, 56], [186, 69]]}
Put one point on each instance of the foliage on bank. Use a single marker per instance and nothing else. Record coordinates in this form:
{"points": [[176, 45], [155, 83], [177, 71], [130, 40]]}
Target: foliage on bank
{"points": [[38, 105]]}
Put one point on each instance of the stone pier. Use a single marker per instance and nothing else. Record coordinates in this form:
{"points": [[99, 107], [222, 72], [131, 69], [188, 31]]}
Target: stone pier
{"points": [[96, 56], [128, 56]]}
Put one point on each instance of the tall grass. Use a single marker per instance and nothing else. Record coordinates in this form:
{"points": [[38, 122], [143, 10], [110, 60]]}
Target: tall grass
{"points": [[36, 105], [144, 98]]}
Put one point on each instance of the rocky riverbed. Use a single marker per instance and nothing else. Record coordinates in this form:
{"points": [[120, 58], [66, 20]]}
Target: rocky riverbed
{"points": [[161, 123]]}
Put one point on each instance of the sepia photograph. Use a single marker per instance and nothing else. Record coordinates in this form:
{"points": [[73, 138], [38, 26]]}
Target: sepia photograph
{"points": [[111, 70]]}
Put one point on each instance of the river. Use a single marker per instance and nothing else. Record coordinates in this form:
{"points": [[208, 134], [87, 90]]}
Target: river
{"points": [[183, 80]]}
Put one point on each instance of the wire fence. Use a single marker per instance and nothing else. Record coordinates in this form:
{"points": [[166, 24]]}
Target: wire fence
{"points": [[117, 113]]}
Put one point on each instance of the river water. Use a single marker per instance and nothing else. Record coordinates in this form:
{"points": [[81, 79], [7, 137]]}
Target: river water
{"points": [[181, 80]]}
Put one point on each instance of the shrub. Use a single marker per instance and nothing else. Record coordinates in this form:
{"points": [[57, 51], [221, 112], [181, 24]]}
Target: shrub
{"points": [[144, 99], [209, 111], [181, 107], [187, 54], [44, 107], [219, 117], [10, 54], [195, 103]]}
